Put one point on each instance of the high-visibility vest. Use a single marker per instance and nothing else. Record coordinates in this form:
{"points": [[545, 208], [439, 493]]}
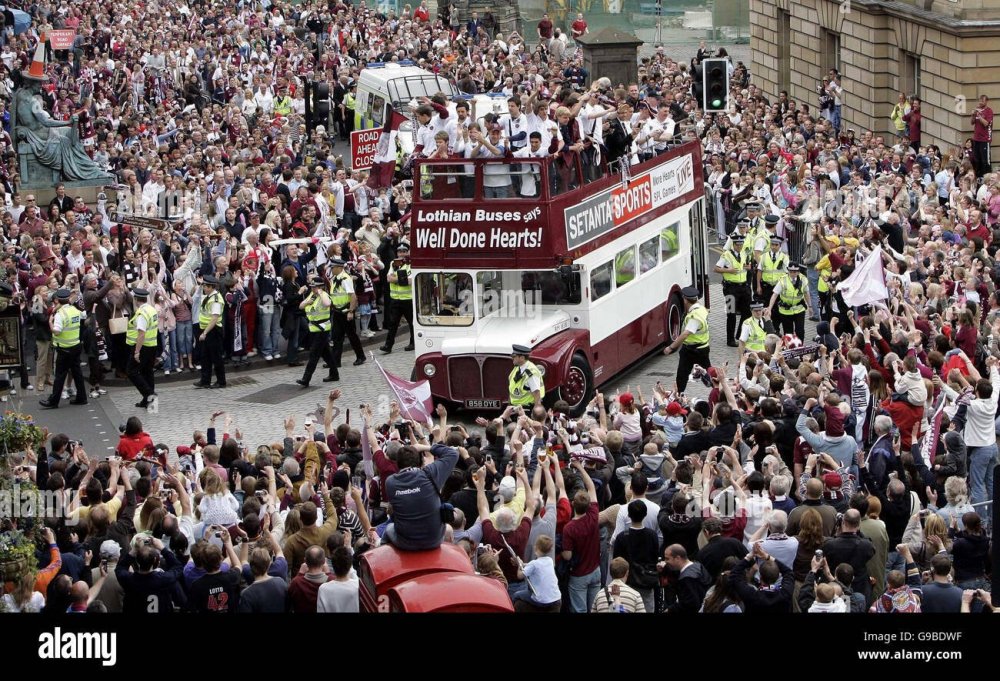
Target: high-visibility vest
{"points": [[396, 290], [69, 337], [340, 299], [520, 396], [700, 338], [318, 315], [204, 314], [747, 249], [791, 299], [772, 267], [737, 262], [283, 106], [755, 341], [624, 267], [147, 312], [668, 240]]}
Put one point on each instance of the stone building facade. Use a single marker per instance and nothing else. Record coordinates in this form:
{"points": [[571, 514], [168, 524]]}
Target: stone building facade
{"points": [[947, 52]]}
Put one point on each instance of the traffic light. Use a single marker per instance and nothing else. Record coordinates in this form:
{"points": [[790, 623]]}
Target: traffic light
{"points": [[321, 103], [715, 85]]}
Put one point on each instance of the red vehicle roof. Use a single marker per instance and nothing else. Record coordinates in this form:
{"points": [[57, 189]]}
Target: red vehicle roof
{"points": [[450, 592], [386, 566]]}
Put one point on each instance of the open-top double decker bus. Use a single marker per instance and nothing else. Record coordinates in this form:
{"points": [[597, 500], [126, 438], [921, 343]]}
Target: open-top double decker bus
{"points": [[588, 277]]}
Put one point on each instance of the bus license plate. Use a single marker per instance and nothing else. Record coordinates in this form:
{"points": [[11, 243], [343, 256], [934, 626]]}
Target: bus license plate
{"points": [[482, 404]]}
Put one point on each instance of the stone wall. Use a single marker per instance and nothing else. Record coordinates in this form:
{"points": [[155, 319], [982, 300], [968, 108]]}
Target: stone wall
{"points": [[958, 57]]}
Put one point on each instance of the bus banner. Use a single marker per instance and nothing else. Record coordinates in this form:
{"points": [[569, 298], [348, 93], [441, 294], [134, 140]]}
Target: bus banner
{"points": [[614, 207], [481, 228]]}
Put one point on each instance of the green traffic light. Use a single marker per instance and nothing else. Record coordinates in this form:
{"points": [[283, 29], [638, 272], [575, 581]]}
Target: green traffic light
{"points": [[716, 103]]}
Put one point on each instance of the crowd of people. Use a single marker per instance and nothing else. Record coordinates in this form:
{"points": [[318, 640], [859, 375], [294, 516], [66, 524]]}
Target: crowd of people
{"points": [[855, 477]]}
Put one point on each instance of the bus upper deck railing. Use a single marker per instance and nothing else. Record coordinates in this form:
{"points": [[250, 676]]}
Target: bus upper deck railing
{"points": [[531, 178]]}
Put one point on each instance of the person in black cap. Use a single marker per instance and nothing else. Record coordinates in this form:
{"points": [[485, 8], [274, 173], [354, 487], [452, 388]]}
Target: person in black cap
{"points": [[793, 293], [343, 303], [773, 266], [211, 336], [65, 325], [734, 266], [693, 341], [317, 308], [141, 339], [526, 384], [401, 298]]}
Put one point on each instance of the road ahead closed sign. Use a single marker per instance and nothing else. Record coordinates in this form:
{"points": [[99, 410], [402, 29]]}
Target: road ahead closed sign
{"points": [[364, 145]]}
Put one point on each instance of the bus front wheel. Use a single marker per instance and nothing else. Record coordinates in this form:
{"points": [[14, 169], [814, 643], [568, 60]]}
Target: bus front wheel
{"points": [[577, 388], [675, 317]]}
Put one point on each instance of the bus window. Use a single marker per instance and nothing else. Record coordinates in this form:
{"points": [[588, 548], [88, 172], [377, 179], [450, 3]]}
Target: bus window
{"points": [[444, 299], [513, 291], [377, 109], [669, 241], [441, 182], [625, 266], [649, 255], [600, 280]]}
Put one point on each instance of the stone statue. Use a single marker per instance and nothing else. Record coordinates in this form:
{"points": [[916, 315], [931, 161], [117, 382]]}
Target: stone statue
{"points": [[49, 150]]}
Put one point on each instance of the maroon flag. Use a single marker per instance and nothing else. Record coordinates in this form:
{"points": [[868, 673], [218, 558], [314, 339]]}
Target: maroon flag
{"points": [[414, 399], [384, 165]]}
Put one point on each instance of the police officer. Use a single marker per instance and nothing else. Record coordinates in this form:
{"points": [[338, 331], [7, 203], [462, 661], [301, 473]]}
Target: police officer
{"points": [[140, 337], [343, 303], [792, 296], [526, 385], [65, 325], [317, 308], [211, 335], [401, 297], [772, 268], [752, 333], [733, 265], [694, 339], [743, 229]]}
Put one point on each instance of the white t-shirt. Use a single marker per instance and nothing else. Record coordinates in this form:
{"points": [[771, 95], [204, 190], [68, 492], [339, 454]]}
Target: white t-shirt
{"points": [[514, 126], [541, 572], [337, 596], [547, 128]]}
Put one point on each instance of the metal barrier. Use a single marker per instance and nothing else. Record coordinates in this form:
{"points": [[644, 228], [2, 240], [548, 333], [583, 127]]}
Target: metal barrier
{"points": [[797, 236]]}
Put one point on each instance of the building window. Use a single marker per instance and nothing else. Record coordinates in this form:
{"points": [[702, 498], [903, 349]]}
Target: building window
{"points": [[784, 50], [831, 50], [909, 77]]}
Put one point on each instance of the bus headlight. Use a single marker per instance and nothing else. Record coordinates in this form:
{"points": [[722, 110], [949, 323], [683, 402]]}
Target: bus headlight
{"points": [[541, 369], [429, 370]]}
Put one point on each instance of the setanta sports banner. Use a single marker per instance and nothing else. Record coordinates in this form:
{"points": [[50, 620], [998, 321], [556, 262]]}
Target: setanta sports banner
{"points": [[613, 207]]}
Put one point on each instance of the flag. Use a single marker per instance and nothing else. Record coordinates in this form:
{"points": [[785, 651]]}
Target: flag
{"points": [[384, 165], [414, 399], [929, 443], [867, 283]]}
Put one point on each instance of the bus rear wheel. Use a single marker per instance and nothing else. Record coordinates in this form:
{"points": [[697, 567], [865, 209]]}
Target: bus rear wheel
{"points": [[577, 388], [675, 317]]}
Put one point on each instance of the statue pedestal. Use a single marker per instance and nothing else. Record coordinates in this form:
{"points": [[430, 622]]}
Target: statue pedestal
{"points": [[88, 191]]}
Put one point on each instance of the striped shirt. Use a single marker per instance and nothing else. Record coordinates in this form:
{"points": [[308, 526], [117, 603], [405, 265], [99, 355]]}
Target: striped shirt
{"points": [[628, 599]]}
